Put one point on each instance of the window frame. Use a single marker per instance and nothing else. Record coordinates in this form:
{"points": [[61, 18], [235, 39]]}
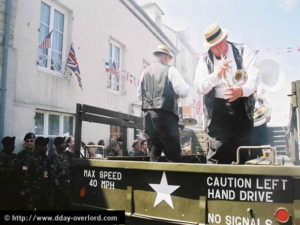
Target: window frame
{"points": [[63, 11], [120, 46], [61, 123]]}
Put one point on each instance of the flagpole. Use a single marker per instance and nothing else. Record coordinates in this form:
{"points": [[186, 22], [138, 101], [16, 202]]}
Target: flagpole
{"points": [[66, 61]]}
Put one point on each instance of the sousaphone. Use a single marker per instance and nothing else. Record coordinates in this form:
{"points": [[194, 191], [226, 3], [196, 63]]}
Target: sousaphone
{"points": [[271, 79], [271, 76]]}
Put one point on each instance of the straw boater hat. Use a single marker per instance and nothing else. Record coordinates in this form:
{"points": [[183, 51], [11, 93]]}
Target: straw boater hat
{"points": [[163, 49], [214, 35]]}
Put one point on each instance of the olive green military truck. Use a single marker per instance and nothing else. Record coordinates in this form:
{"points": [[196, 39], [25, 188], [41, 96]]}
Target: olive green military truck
{"points": [[264, 191]]}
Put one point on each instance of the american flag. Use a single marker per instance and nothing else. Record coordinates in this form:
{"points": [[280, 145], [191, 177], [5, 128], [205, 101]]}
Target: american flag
{"points": [[113, 69], [73, 65], [46, 42]]}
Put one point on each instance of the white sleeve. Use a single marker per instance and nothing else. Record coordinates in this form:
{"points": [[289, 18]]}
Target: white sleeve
{"points": [[180, 86], [252, 71], [139, 91], [204, 81]]}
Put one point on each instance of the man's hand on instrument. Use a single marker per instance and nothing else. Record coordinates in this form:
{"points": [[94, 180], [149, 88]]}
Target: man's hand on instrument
{"points": [[233, 93], [223, 67]]}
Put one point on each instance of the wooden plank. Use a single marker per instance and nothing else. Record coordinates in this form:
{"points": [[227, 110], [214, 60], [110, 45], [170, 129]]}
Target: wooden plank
{"points": [[298, 92], [298, 122], [110, 113], [78, 126], [110, 121]]}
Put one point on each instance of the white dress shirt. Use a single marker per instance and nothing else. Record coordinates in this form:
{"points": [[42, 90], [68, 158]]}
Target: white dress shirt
{"points": [[179, 85], [204, 81]]}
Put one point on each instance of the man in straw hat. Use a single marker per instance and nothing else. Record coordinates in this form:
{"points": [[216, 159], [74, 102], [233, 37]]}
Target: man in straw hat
{"points": [[159, 89], [228, 108]]}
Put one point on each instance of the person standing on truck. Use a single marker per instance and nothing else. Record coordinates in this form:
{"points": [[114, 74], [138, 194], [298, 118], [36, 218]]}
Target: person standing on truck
{"points": [[228, 108], [160, 87]]}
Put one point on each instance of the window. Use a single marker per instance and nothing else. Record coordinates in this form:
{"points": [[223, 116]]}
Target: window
{"points": [[54, 124], [114, 77], [52, 28]]}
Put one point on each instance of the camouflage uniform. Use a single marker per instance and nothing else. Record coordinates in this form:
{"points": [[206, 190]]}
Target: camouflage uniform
{"points": [[60, 174], [23, 159], [37, 183], [9, 193]]}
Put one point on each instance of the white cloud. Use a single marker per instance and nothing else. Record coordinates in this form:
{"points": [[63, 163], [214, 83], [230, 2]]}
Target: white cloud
{"points": [[287, 5]]}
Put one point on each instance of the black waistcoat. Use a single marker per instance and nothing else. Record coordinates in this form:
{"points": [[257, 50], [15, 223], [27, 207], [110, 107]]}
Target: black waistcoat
{"points": [[157, 89]]}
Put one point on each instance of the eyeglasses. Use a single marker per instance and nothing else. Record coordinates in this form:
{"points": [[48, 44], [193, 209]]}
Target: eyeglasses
{"points": [[27, 141]]}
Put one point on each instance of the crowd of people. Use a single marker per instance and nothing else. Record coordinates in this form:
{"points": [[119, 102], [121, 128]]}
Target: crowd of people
{"points": [[38, 178], [33, 178]]}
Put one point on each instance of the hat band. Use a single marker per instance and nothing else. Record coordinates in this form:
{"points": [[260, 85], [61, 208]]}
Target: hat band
{"points": [[214, 35]]}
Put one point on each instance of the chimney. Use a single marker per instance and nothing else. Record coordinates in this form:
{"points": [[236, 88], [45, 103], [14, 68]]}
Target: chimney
{"points": [[154, 12]]}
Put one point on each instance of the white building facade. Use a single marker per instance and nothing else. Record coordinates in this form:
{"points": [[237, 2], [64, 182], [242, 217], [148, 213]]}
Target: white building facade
{"points": [[113, 41]]}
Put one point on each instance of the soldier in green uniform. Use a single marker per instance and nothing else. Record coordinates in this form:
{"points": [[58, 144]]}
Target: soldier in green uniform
{"points": [[27, 152], [9, 195], [37, 181], [59, 174], [24, 157]]}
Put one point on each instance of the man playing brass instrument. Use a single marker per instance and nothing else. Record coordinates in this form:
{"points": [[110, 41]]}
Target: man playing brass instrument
{"points": [[228, 108]]}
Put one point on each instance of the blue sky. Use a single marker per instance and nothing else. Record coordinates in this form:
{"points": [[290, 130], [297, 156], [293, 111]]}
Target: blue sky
{"points": [[261, 24]]}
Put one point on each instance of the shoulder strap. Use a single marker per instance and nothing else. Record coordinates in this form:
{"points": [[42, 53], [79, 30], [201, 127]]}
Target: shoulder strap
{"points": [[209, 60], [238, 51]]}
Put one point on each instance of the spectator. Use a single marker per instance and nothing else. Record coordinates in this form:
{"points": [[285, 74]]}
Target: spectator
{"points": [[123, 149], [83, 152], [115, 150], [92, 151], [136, 148], [144, 147], [110, 148], [99, 150], [70, 147]]}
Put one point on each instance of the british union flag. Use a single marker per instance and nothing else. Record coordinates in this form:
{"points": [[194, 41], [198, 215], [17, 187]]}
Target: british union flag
{"points": [[73, 65]]}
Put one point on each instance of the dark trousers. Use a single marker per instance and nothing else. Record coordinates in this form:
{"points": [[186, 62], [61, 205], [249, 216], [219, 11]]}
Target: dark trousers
{"points": [[229, 128], [162, 128]]}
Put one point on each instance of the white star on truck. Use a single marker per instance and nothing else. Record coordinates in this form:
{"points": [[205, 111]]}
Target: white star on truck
{"points": [[164, 191]]}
